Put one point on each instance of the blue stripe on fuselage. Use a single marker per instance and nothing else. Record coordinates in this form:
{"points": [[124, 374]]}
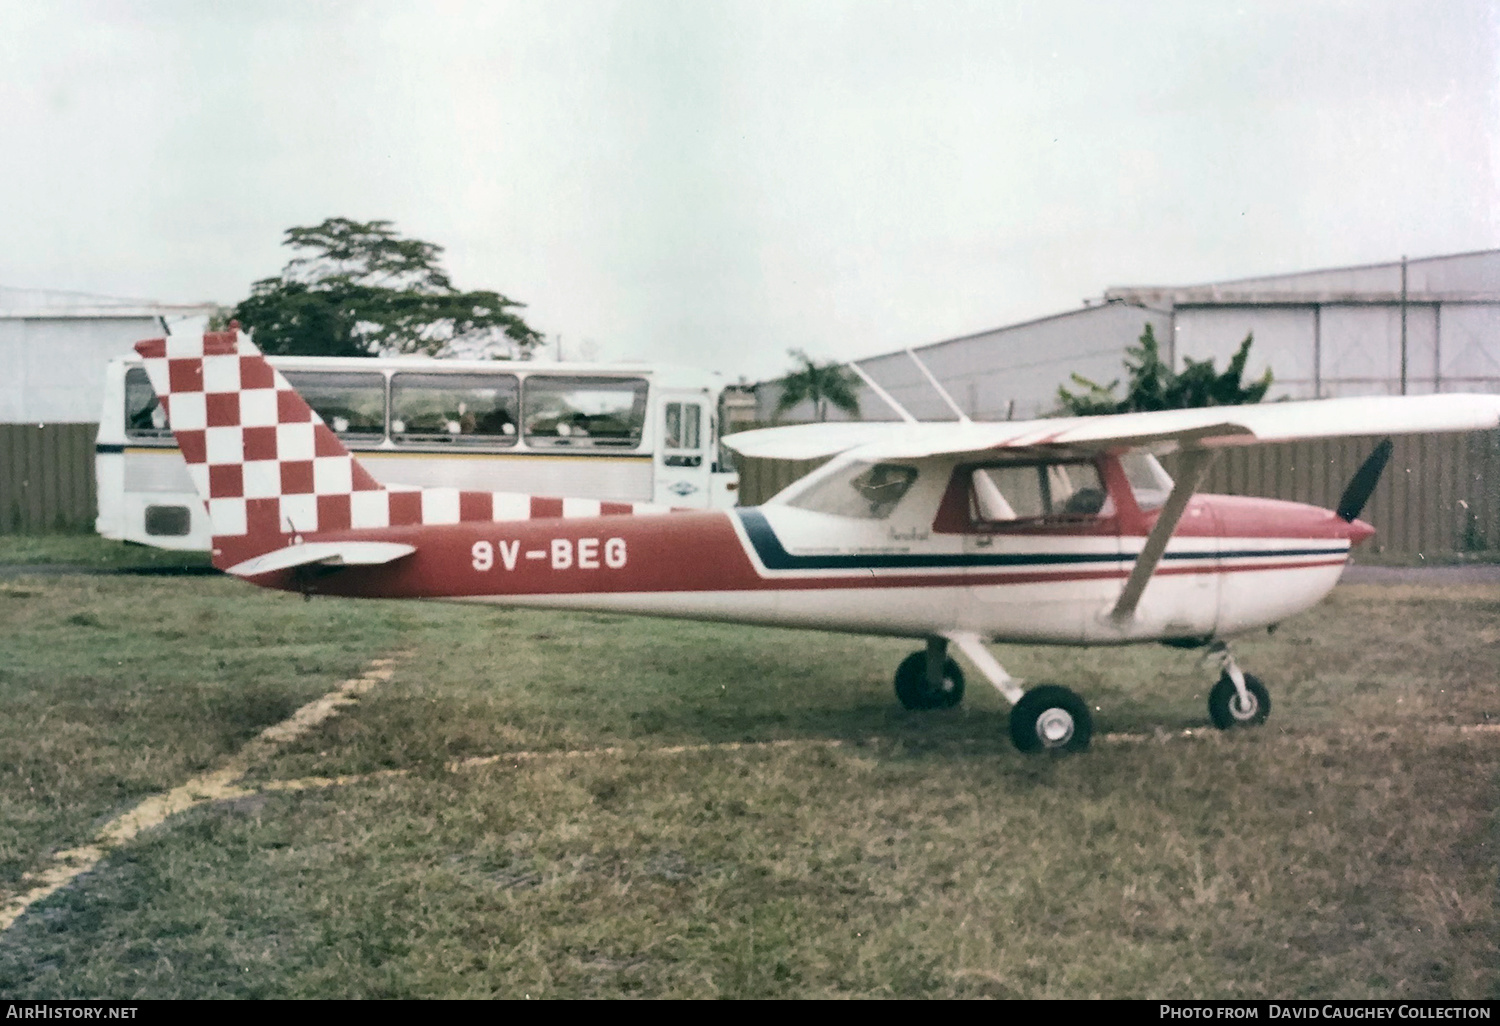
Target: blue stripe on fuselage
{"points": [[774, 556]]}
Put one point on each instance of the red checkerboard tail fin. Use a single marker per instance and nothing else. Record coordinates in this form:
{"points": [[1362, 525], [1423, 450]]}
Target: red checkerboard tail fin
{"points": [[266, 465]]}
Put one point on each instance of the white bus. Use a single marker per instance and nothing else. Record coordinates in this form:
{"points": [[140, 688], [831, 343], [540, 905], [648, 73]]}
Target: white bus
{"points": [[624, 433]]}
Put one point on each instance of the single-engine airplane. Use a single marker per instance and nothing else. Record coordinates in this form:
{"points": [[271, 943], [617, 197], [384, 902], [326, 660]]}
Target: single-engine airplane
{"points": [[1063, 531]]}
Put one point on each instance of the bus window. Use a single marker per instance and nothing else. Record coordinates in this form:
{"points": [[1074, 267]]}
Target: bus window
{"points": [[680, 430], [584, 412], [144, 417], [464, 408], [350, 404], [681, 426]]}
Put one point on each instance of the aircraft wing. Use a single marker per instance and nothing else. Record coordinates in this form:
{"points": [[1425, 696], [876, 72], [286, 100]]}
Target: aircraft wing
{"points": [[343, 553], [1163, 430]]}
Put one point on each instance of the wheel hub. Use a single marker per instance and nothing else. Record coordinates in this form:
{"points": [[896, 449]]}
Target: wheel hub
{"points": [[1054, 727], [1243, 707]]}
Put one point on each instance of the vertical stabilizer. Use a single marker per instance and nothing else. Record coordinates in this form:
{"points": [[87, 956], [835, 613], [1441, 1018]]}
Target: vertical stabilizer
{"points": [[265, 464]]}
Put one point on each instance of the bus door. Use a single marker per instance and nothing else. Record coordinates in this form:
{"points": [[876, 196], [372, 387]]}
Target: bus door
{"points": [[683, 458]]}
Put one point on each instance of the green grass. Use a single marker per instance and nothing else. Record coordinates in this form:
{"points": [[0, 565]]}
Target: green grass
{"points": [[90, 550], [1346, 849]]}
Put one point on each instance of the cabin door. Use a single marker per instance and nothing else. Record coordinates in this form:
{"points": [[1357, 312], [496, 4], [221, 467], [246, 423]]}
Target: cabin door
{"points": [[1043, 545]]}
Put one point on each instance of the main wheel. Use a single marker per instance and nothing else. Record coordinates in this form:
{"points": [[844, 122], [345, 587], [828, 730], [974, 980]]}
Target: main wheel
{"points": [[1226, 710], [1051, 717], [914, 692]]}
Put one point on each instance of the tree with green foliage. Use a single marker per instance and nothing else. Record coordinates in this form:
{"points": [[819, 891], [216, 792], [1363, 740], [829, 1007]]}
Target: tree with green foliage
{"points": [[820, 384], [1155, 386], [360, 289]]}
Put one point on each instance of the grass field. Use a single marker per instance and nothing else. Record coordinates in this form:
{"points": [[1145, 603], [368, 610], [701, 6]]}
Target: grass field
{"points": [[90, 550], [1346, 849]]}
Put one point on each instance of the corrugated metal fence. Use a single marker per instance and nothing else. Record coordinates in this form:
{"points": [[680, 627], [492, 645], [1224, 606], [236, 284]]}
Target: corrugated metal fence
{"points": [[1439, 493], [47, 478]]}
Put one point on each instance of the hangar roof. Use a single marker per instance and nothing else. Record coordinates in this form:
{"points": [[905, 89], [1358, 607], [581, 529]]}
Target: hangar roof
{"points": [[1459, 278], [49, 304]]}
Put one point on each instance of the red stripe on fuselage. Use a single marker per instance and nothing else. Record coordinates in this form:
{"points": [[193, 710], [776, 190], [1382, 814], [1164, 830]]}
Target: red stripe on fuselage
{"points": [[686, 552], [693, 551]]}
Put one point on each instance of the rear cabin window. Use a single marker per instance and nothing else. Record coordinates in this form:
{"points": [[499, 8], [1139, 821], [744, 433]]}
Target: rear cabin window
{"points": [[144, 417], [351, 403], [862, 490], [584, 412], [454, 409], [1036, 491]]}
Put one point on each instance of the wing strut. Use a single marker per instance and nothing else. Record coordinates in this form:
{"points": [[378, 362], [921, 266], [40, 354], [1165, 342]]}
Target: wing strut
{"points": [[1190, 474]]}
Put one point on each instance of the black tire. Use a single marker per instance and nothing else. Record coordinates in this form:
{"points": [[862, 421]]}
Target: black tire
{"points": [[1051, 718], [913, 691], [1224, 706]]}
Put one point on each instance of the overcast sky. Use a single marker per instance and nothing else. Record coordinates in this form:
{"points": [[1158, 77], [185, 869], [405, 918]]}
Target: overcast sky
{"points": [[715, 182]]}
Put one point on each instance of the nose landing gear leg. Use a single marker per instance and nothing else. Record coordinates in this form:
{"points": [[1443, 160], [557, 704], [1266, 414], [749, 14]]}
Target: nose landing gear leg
{"points": [[1238, 699]]}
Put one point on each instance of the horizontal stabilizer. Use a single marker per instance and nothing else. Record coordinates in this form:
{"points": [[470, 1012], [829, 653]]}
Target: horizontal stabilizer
{"points": [[345, 553]]}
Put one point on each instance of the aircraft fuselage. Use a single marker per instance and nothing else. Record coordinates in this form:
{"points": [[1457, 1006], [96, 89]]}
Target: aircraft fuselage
{"points": [[1233, 565]]}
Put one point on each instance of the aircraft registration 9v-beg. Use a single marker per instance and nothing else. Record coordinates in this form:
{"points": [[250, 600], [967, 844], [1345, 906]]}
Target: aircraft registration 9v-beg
{"points": [[1064, 531]]}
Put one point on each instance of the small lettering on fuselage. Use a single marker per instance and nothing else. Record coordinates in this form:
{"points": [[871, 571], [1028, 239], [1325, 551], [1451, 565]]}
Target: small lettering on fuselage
{"points": [[562, 554]]}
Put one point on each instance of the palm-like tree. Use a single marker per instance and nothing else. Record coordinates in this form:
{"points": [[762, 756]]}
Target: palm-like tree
{"points": [[820, 384]]}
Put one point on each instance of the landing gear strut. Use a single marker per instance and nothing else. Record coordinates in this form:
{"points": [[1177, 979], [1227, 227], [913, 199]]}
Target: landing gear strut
{"points": [[1238, 699], [1046, 718]]}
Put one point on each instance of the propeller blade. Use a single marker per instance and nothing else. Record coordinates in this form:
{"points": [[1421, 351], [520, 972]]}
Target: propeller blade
{"points": [[1363, 483]]}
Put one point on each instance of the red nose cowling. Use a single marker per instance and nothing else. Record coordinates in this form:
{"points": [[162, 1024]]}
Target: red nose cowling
{"points": [[1359, 531]]}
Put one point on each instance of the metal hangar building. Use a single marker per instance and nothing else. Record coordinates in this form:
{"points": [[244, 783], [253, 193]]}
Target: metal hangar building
{"points": [[1404, 327]]}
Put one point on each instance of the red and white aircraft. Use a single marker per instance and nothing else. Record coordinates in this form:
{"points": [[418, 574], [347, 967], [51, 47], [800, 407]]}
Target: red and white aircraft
{"points": [[1063, 531]]}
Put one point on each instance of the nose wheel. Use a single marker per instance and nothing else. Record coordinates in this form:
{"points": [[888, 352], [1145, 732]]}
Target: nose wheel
{"points": [[1238, 699], [1228, 709]]}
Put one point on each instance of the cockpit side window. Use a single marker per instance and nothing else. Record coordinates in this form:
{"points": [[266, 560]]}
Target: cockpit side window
{"points": [[1037, 491], [863, 490]]}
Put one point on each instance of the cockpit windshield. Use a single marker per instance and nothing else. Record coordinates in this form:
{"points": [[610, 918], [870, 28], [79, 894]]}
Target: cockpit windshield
{"points": [[1148, 481]]}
